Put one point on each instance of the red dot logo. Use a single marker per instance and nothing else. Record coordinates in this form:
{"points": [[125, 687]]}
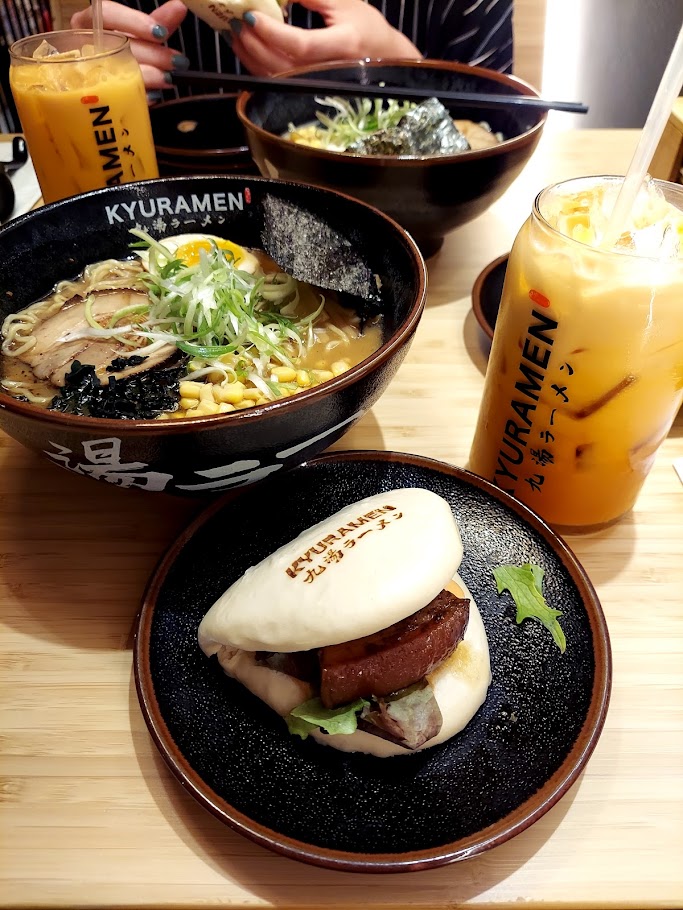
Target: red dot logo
{"points": [[538, 298], [90, 99], [247, 195]]}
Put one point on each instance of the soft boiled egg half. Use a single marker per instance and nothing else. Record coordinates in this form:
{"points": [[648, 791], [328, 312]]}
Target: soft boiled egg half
{"points": [[187, 247]]}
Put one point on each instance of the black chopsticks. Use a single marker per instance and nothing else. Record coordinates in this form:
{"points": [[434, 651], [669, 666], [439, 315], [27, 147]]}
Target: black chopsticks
{"points": [[245, 83]]}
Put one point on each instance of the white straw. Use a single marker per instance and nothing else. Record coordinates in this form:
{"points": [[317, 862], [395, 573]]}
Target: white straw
{"points": [[668, 91], [97, 23]]}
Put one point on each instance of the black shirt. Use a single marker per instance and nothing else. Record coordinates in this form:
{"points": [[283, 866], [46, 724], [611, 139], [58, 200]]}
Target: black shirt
{"points": [[478, 32]]}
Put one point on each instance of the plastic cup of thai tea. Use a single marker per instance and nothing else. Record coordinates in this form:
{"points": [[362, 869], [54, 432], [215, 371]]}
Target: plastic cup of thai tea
{"points": [[83, 109], [585, 375]]}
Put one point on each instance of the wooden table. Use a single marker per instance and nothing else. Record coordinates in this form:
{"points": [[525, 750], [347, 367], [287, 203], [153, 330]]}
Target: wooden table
{"points": [[91, 817]]}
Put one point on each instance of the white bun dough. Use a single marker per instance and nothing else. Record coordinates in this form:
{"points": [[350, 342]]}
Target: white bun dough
{"points": [[366, 567], [220, 13], [460, 685]]}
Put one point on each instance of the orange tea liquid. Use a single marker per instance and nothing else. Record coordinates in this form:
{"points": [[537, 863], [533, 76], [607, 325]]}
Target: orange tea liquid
{"points": [[586, 370], [85, 118]]}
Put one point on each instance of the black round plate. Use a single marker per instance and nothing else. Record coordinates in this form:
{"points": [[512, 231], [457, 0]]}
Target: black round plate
{"points": [[520, 753]]}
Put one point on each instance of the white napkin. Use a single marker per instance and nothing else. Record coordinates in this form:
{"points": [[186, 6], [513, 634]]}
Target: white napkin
{"points": [[26, 189]]}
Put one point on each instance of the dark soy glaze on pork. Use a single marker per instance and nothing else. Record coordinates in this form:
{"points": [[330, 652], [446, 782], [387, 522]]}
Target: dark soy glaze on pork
{"points": [[395, 657]]}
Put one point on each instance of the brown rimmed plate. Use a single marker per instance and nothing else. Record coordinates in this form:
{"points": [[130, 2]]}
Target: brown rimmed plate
{"points": [[486, 293], [521, 752]]}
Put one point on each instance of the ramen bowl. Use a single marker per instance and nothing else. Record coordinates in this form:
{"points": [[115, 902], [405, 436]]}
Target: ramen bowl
{"points": [[428, 196], [200, 134], [202, 455]]}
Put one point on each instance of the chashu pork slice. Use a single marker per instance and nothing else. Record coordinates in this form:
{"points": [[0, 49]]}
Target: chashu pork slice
{"points": [[58, 343]]}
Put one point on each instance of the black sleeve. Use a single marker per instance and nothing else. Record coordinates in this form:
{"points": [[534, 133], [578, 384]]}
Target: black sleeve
{"points": [[471, 31]]}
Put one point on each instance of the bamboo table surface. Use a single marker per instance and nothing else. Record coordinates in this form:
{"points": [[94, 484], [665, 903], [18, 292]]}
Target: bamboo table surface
{"points": [[89, 815]]}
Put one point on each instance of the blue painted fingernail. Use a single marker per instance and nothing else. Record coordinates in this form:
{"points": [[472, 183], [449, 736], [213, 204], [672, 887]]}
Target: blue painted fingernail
{"points": [[236, 25], [159, 31], [250, 19], [180, 62], [226, 35], [168, 78], [154, 95]]}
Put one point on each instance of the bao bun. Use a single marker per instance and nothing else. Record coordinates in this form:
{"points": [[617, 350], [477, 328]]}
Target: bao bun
{"points": [[398, 551], [220, 13], [389, 574]]}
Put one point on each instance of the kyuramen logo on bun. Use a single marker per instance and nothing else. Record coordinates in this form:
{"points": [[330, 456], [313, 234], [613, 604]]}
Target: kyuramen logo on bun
{"points": [[220, 13], [360, 632]]}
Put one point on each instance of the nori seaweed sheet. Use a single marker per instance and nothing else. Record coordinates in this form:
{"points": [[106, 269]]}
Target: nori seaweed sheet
{"points": [[310, 250], [426, 130], [143, 396]]}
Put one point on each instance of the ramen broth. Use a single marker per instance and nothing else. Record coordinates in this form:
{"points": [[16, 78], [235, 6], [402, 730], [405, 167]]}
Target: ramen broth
{"points": [[318, 338]]}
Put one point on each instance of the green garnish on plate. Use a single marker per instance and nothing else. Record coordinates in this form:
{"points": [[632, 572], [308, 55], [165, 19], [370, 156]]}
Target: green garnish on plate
{"points": [[525, 584]]}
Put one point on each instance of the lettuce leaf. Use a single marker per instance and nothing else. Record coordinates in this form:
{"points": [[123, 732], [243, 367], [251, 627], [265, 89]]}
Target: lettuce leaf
{"points": [[311, 714], [525, 584]]}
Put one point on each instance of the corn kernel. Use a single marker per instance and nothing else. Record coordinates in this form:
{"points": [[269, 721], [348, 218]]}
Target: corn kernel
{"points": [[283, 374], [245, 403], [231, 394], [209, 407], [252, 394], [319, 376], [190, 389], [187, 403], [303, 379], [340, 366], [224, 407]]}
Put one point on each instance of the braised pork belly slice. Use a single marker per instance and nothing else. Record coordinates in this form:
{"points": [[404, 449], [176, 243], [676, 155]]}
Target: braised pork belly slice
{"points": [[395, 657]]}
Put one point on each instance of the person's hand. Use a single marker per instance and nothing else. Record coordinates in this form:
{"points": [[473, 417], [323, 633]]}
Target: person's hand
{"points": [[147, 34], [353, 29]]}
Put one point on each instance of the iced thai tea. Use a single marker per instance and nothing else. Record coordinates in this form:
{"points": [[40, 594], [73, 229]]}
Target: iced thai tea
{"points": [[83, 110], [585, 375]]}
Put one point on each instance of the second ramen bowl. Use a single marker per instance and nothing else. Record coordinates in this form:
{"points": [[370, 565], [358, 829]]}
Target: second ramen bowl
{"points": [[429, 197], [215, 453]]}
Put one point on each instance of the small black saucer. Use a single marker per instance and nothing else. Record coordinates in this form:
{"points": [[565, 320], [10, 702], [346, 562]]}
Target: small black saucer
{"points": [[487, 291]]}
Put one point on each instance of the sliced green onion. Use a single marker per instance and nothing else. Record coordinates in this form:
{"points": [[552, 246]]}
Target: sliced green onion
{"points": [[212, 309], [89, 318], [126, 311], [205, 351], [357, 117]]}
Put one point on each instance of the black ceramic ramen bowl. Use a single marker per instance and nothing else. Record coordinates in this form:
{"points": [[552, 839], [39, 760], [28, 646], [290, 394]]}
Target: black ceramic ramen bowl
{"points": [[200, 455], [487, 292], [200, 135], [428, 196]]}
